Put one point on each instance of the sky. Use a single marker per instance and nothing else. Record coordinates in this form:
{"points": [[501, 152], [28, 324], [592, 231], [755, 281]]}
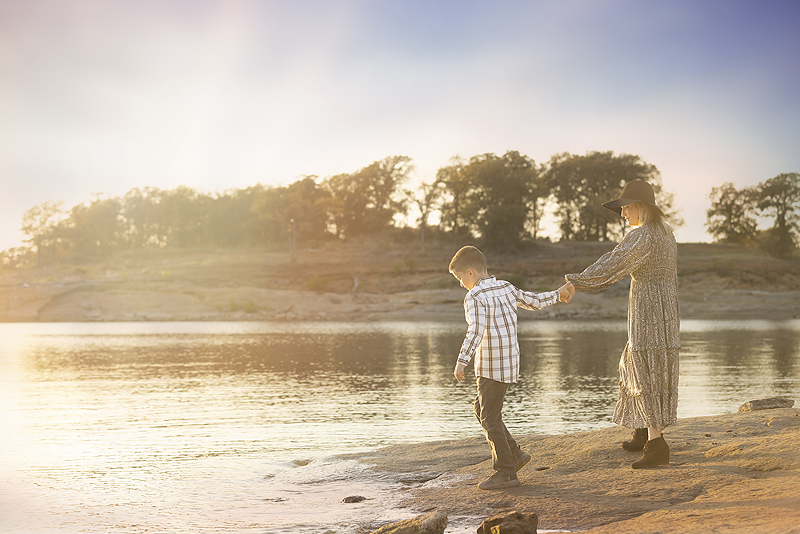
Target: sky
{"points": [[100, 97]]}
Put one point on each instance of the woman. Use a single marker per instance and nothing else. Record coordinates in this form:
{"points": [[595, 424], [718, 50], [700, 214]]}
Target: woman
{"points": [[648, 382]]}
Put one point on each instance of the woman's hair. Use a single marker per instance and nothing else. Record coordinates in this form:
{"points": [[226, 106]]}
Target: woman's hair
{"points": [[648, 213], [468, 258]]}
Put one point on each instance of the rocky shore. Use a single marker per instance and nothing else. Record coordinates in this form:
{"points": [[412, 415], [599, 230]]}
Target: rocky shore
{"points": [[728, 474]]}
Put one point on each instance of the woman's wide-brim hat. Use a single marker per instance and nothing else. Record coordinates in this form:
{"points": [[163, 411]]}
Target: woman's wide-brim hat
{"points": [[635, 191]]}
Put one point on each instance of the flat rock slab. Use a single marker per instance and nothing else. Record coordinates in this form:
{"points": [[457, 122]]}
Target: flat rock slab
{"points": [[766, 404], [728, 474]]}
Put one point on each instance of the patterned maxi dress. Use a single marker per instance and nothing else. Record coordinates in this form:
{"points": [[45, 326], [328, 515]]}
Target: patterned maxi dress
{"points": [[648, 368]]}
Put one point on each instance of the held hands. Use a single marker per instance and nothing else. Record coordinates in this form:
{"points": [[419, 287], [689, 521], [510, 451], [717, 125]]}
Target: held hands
{"points": [[566, 292], [459, 371]]}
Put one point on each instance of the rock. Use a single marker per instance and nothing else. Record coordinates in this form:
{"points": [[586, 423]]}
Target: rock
{"points": [[510, 523], [766, 404], [354, 498], [430, 523]]}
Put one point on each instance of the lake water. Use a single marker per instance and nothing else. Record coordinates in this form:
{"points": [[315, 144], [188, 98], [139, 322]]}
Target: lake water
{"points": [[234, 427]]}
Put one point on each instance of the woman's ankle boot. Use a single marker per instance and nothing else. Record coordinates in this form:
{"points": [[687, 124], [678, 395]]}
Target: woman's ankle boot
{"points": [[638, 439], [656, 452]]}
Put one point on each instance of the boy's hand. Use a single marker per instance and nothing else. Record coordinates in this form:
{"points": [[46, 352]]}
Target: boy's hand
{"points": [[566, 292], [459, 372]]}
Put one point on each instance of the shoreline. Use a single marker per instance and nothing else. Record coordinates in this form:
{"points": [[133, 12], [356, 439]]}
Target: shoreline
{"points": [[729, 474], [374, 282], [178, 302]]}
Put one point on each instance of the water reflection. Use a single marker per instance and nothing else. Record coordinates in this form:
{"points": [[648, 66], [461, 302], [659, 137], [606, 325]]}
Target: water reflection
{"points": [[114, 417], [370, 376], [724, 364]]}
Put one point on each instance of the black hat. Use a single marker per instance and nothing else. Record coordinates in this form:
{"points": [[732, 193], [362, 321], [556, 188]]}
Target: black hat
{"points": [[635, 191]]}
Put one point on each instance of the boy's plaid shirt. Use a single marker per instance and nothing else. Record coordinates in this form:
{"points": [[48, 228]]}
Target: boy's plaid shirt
{"points": [[491, 311]]}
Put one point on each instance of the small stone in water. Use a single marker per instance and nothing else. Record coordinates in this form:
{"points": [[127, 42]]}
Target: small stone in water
{"points": [[354, 498]]}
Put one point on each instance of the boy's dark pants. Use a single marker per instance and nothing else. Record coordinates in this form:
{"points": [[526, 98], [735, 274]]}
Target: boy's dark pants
{"points": [[488, 410]]}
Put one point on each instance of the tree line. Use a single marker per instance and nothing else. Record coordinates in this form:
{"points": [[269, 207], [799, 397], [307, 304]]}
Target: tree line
{"points": [[732, 217], [499, 201]]}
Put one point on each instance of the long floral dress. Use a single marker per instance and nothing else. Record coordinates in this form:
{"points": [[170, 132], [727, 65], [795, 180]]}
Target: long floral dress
{"points": [[648, 367]]}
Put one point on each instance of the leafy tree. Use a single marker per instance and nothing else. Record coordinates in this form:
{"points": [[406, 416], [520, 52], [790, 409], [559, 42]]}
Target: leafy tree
{"points": [[427, 199], [539, 193], [731, 216], [457, 187], [333, 204], [144, 224], [304, 205], [495, 197], [185, 212], [367, 201], [780, 197], [498, 203], [301, 202], [40, 224], [580, 184], [233, 220], [16, 257], [95, 228]]}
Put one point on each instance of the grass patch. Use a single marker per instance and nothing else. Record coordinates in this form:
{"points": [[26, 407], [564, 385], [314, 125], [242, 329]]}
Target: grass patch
{"points": [[724, 268], [317, 283], [517, 279]]}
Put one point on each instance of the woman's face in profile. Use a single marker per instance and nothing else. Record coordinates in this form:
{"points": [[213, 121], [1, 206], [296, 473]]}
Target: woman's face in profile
{"points": [[631, 214]]}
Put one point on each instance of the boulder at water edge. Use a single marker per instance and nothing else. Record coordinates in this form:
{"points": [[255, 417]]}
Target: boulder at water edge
{"points": [[510, 523], [766, 404], [430, 523]]}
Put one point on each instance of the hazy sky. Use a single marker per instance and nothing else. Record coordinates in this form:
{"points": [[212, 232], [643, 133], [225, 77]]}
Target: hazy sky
{"points": [[104, 96]]}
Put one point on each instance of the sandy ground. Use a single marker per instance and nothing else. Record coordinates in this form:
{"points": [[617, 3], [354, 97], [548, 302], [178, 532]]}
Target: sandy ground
{"points": [[736, 473]]}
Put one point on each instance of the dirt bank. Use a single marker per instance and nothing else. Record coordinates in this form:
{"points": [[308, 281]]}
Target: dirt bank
{"points": [[736, 473], [369, 282]]}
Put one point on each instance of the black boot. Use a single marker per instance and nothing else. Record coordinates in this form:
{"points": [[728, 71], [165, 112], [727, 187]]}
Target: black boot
{"points": [[638, 439], [656, 452]]}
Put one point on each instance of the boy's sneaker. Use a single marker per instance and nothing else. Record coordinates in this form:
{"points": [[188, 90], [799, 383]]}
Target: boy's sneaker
{"points": [[499, 481], [521, 460]]}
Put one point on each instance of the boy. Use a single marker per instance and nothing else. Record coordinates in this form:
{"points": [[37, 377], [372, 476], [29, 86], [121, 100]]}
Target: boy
{"points": [[491, 310]]}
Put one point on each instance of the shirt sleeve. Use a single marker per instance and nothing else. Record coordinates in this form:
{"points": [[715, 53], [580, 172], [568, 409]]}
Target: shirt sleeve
{"points": [[476, 321], [613, 266], [536, 301]]}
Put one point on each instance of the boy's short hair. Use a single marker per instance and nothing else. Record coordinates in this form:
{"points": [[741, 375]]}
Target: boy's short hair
{"points": [[468, 257]]}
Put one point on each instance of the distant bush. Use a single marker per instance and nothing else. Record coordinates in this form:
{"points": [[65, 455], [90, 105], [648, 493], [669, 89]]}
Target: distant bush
{"points": [[724, 268], [317, 283], [516, 279], [250, 307]]}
